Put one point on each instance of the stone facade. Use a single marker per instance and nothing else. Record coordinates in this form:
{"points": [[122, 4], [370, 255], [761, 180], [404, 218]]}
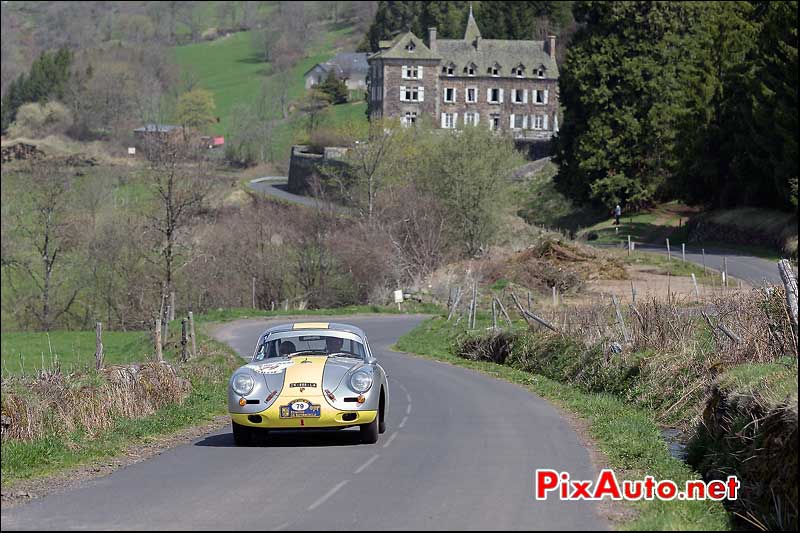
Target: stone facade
{"points": [[513, 85]]}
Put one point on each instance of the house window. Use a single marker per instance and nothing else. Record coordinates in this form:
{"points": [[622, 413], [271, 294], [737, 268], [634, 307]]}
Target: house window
{"points": [[494, 70], [471, 69], [519, 71], [449, 94], [411, 46], [540, 72], [538, 122], [448, 120], [449, 69], [411, 94], [494, 121], [471, 119], [540, 96], [494, 96], [410, 118], [410, 72], [518, 122], [472, 95], [519, 96]]}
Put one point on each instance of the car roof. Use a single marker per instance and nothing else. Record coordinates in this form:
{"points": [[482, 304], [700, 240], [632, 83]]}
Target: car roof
{"points": [[334, 326]]}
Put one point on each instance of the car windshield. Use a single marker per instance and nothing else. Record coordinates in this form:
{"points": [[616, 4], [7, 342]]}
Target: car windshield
{"points": [[309, 345]]}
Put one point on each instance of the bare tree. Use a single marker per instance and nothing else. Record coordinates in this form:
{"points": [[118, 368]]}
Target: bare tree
{"points": [[177, 177], [371, 164], [44, 222]]}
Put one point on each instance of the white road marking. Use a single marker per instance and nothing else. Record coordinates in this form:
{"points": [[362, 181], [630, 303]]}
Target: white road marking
{"points": [[281, 527], [388, 442], [408, 397], [327, 495], [408, 409], [365, 465], [402, 422]]}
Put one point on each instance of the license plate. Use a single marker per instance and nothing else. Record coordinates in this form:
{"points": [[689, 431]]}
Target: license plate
{"points": [[300, 409]]}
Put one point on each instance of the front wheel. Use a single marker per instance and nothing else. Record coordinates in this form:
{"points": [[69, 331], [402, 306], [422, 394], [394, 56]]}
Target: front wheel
{"points": [[242, 435], [369, 432]]}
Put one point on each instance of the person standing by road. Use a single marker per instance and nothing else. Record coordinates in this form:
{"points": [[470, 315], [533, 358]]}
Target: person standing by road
{"points": [[617, 214]]}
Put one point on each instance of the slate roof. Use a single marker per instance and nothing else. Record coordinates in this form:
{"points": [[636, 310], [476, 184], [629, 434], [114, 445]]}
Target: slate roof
{"points": [[508, 54], [346, 65], [483, 53], [397, 48], [157, 128]]}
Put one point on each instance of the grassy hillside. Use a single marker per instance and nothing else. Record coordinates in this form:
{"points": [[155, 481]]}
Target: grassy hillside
{"points": [[233, 69]]}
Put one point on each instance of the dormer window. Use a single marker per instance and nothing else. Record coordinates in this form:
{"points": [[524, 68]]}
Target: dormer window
{"points": [[539, 72], [471, 69], [449, 69], [411, 46], [494, 70], [518, 71]]}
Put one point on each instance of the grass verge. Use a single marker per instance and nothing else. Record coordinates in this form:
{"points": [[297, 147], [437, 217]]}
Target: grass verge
{"points": [[629, 437], [53, 453]]}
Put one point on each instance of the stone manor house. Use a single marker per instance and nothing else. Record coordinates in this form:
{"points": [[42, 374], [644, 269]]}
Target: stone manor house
{"points": [[509, 86]]}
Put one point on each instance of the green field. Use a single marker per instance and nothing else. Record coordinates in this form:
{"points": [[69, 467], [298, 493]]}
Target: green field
{"points": [[233, 69], [29, 352]]}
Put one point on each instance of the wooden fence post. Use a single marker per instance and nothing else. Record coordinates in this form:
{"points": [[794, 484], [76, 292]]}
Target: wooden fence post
{"points": [[165, 336], [790, 285], [191, 331], [629, 245], [527, 314], [157, 339], [505, 314], [456, 301], [725, 270], [184, 340], [619, 319], [683, 252], [669, 253], [494, 315], [98, 353]]}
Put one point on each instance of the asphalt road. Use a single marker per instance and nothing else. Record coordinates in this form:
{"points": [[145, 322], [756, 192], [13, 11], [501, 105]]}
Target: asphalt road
{"points": [[277, 187], [459, 452], [753, 270]]}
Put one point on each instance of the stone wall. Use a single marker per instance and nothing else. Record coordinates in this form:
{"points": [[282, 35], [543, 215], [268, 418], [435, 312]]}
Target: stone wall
{"points": [[306, 165]]}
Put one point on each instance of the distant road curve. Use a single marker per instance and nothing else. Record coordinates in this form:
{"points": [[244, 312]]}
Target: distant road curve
{"points": [[753, 270], [277, 187]]}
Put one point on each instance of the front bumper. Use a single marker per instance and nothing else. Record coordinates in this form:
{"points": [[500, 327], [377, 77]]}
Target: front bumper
{"points": [[329, 418]]}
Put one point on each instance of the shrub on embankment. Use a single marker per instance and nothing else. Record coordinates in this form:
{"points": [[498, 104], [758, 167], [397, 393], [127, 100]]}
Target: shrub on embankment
{"points": [[738, 395]]}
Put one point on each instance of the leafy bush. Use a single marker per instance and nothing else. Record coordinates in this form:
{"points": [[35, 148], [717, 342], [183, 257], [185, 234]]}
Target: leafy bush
{"points": [[40, 120]]}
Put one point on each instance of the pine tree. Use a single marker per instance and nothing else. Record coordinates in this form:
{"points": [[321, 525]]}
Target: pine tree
{"points": [[623, 89]]}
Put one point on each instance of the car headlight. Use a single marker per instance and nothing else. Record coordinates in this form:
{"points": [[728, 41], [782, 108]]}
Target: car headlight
{"points": [[361, 381], [243, 384]]}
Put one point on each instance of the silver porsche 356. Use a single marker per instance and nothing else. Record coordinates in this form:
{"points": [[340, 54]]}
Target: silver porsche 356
{"points": [[309, 375]]}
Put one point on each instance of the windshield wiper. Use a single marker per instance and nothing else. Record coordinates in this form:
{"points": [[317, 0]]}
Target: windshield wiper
{"points": [[344, 354], [306, 352]]}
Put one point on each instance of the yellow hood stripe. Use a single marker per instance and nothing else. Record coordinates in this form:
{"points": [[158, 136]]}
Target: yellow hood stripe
{"points": [[304, 370], [311, 325]]}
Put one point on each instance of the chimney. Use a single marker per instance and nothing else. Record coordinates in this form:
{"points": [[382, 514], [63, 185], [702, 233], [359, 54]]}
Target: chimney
{"points": [[551, 46], [432, 39]]}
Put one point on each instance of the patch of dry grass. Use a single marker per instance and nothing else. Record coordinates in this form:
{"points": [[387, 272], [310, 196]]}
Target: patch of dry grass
{"points": [[52, 403]]}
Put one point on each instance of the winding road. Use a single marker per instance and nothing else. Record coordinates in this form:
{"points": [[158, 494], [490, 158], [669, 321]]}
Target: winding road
{"points": [[750, 269], [459, 452]]}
